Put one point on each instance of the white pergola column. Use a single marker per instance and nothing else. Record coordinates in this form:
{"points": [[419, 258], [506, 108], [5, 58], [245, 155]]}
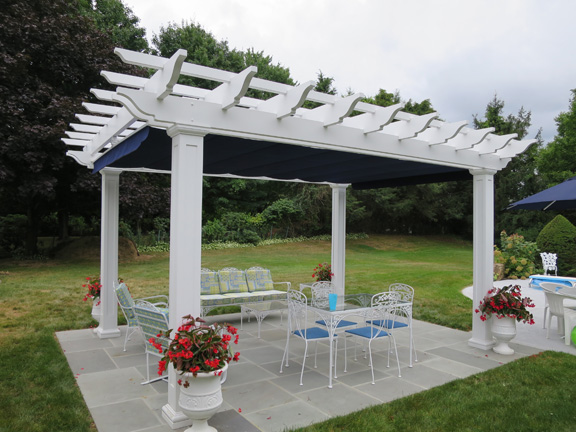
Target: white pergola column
{"points": [[108, 327], [483, 278], [339, 237], [185, 244]]}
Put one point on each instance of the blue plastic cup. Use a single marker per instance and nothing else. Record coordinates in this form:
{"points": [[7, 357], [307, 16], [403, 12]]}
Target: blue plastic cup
{"points": [[332, 299]]}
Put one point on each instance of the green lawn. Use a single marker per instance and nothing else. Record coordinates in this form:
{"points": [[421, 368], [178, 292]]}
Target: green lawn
{"points": [[38, 392]]}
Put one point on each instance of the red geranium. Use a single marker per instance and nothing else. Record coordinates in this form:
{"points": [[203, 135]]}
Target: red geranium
{"points": [[198, 347], [323, 272], [506, 302]]}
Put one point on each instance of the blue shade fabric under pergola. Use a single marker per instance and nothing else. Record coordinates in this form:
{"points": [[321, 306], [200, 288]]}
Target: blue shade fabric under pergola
{"points": [[559, 197], [151, 148]]}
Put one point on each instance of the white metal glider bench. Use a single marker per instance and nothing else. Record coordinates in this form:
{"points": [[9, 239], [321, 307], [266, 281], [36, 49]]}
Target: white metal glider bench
{"points": [[233, 287]]}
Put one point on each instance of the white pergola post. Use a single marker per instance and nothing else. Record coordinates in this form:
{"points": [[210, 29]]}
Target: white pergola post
{"points": [[185, 244], [108, 327], [483, 253], [339, 237]]}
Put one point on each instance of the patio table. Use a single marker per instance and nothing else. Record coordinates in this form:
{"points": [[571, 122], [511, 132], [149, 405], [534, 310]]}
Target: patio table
{"points": [[261, 310], [347, 305]]}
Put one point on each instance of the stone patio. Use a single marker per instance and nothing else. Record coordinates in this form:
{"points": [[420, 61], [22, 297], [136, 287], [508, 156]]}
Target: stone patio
{"points": [[256, 396]]}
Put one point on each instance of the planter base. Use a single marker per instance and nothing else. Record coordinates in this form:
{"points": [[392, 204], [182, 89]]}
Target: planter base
{"points": [[201, 426], [504, 330], [503, 348]]}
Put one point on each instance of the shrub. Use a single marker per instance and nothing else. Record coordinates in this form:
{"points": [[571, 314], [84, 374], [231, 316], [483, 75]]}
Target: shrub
{"points": [[559, 237], [13, 233], [517, 254]]}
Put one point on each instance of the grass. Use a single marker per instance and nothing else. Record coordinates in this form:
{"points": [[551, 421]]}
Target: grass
{"points": [[38, 391], [531, 394]]}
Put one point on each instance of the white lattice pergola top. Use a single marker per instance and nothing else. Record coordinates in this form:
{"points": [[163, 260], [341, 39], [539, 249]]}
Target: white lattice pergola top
{"points": [[387, 132]]}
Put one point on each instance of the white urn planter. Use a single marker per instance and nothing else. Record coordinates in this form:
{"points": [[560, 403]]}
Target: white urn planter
{"points": [[202, 398], [96, 308], [504, 330]]}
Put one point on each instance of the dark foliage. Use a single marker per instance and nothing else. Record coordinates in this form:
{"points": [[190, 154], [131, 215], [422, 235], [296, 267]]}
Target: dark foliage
{"points": [[559, 237]]}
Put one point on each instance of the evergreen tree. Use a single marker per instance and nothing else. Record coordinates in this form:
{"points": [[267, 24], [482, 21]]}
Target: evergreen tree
{"points": [[520, 177]]}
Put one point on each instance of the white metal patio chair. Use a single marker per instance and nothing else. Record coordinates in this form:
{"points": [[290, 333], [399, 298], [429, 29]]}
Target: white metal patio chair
{"points": [[320, 295], [152, 322], [298, 327], [549, 262], [383, 309], [403, 318], [126, 303]]}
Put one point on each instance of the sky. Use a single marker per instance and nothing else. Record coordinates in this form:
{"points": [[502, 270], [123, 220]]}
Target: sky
{"points": [[457, 53]]}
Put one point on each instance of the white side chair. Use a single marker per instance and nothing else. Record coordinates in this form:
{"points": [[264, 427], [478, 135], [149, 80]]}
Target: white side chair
{"points": [[549, 262], [383, 309], [320, 295], [298, 327]]}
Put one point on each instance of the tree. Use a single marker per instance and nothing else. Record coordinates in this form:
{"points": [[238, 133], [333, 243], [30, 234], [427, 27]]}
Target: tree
{"points": [[557, 161], [51, 57], [520, 178], [118, 21]]}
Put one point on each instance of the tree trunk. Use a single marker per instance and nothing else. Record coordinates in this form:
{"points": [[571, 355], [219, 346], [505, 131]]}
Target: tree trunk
{"points": [[63, 231], [31, 244]]}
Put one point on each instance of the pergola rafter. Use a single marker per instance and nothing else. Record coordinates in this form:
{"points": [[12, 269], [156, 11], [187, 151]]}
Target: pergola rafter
{"points": [[387, 131], [157, 125]]}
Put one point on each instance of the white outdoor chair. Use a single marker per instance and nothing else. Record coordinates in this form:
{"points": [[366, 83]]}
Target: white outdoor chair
{"points": [[126, 303], [569, 324], [383, 309], [549, 262], [404, 314], [298, 327], [569, 311], [152, 321], [556, 305], [320, 295]]}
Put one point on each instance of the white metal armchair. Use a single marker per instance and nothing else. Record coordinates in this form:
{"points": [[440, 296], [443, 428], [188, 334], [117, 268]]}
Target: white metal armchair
{"points": [[403, 318], [152, 321], [126, 303], [383, 310], [298, 327]]}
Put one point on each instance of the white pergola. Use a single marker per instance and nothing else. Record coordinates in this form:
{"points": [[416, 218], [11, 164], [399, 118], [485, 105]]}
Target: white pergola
{"points": [[157, 125]]}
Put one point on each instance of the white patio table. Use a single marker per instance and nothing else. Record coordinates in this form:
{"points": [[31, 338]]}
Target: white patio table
{"points": [[346, 306]]}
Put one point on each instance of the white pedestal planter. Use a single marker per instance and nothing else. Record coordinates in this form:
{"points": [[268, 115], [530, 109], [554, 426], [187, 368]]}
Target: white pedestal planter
{"points": [[201, 399], [96, 308], [504, 330]]}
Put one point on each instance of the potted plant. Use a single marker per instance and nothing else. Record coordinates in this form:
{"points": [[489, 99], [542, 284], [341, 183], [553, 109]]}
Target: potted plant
{"points": [[323, 272], [93, 290], [93, 287], [200, 353], [507, 305]]}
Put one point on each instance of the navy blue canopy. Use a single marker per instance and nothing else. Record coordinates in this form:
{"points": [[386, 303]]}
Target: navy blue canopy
{"points": [[559, 197], [152, 148]]}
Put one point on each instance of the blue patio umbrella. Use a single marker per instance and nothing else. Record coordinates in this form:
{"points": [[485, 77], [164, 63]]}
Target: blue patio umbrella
{"points": [[559, 197]]}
